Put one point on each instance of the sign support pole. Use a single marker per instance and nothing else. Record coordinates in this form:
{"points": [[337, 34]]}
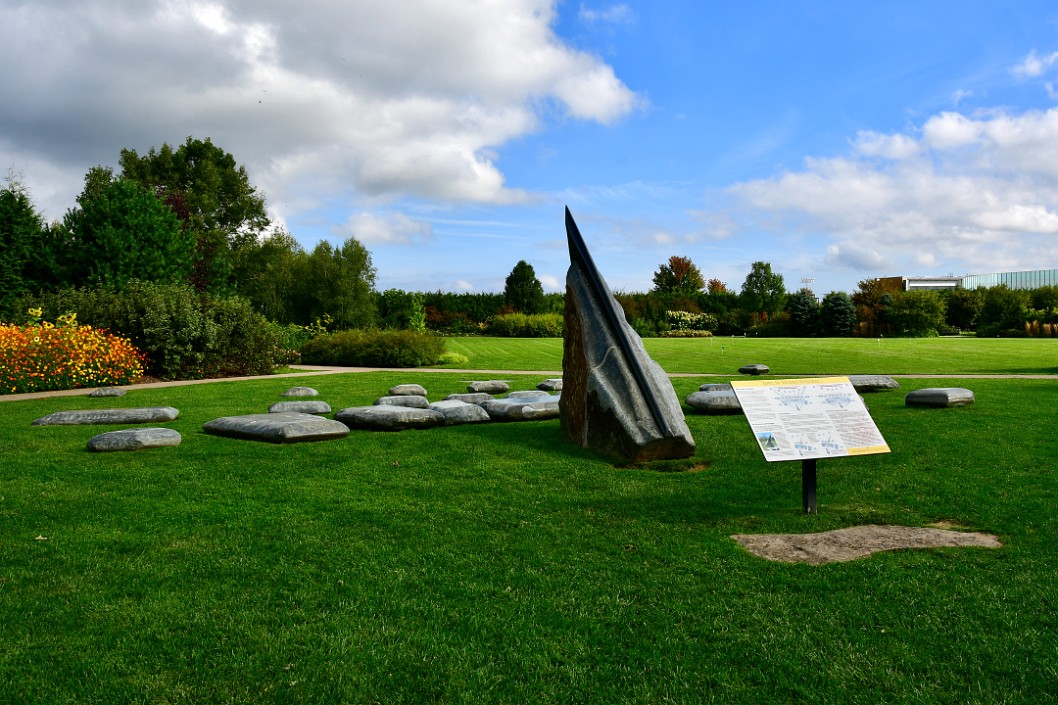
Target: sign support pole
{"points": [[808, 485]]}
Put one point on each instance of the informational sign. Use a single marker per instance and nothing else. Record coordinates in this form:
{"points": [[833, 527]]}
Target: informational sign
{"points": [[798, 419]]}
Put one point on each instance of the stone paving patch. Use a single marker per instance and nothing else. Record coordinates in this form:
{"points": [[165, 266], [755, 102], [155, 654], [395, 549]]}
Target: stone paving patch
{"points": [[151, 414], [286, 427]]}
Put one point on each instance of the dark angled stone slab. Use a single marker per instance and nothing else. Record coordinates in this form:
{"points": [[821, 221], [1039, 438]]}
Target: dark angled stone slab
{"points": [[715, 387], [416, 390], [872, 383], [133, 439], [414, 401], [469, 397], [615, 400], [551, 385], [493, 386], [754, 369], [151, 414], [300, 407], [300, 392], [718, 402], [285, 427], [107, 392], [459, 412], [939, 397], [522, 409], [388, 417]]}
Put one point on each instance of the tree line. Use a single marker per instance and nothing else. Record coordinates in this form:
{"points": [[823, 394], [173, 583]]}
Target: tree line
{"points": [[189, 216]]}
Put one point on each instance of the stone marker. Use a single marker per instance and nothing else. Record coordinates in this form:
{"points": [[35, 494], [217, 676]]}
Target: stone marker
{"points": [[939, 397], [551, 385], [715, 387], [286, 427], [494, 386], [300, 392], [459, 412], [529, 394], [107, 392], [414, 401], [616, 400], [470, 397], [133, 439], [522, 409], [872, 383], [300, 407], [754, 369], [151, 414], [715, 402], [389, 417], [416, 390]]}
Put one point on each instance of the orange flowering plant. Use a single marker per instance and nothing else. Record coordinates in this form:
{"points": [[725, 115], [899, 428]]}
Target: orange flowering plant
{"points": [[41, 356]]}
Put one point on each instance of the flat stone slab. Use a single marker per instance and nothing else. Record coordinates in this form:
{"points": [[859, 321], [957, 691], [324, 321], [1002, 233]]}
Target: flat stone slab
{"points": [[873, 383], [494, 386], [856, 542], [715, 402], [133, 439], [470, 397], [300, 392], [414, 401], [106, 392], [522, 409], [529, 394], [939, 397], [551, 385], [388, 417], [716, 387], [414, 390], [284, 427], [150, 414], [300, 407], [754, 369], [460, 412]]}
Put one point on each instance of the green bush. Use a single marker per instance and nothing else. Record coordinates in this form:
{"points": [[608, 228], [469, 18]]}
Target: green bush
{"points": [[452, 358], [184, 334], [690, 321], [520, 325], [387, 348]]}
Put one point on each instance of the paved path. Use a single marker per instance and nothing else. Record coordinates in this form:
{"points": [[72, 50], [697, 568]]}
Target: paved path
{"points": [[318, 370]]}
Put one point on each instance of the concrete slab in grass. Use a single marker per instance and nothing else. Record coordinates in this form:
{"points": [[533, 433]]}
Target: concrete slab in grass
{"points": [[284, 427]]}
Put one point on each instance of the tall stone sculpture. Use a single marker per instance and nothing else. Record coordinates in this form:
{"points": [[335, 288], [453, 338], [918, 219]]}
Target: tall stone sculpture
{"points": [[615, 399]]}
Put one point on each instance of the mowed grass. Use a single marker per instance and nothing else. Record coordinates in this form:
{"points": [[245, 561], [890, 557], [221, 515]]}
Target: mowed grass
{"points": [[792, 356], [501, 564]]}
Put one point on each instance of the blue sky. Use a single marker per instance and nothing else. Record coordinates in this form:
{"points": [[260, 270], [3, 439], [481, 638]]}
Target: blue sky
{"points": [[836, 140]]}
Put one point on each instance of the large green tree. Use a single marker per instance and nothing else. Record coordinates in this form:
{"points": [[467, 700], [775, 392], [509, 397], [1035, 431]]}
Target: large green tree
{"points": [[119, 232], [214, 199], [522, 291], [916, 313], [267, 272], [763, 291], [339, 282], [22, 235], [964, 308], [678, 276], [837, 314], [804, 312]]}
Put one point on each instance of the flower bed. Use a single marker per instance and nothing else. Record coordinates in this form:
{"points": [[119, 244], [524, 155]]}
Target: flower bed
{"points": [[42, 356]]}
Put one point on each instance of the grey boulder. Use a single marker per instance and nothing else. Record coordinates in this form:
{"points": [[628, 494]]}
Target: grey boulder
{"points": [[388, 417], [300, 407], [529, 394], [489, 387], [133, 439], [715, 387], [939, 397], [104, 392], [300, 392], [416, 390], [414, 401], [872, 383], [459, 412], [285, 427], [754, 369], [522, 409], [715, 402], [551, 385], [470, 397], [151, 414]]}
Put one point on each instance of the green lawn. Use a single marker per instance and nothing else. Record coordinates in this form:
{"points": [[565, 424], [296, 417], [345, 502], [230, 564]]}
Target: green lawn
{"points": [[792, 356], [500, 564]]}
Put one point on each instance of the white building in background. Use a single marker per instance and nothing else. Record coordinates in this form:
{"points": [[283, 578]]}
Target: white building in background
{"points": [[1014, 280]]}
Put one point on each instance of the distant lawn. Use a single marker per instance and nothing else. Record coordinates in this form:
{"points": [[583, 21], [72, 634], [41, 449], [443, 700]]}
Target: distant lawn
{"points": [[793, 356], [500, 564]]}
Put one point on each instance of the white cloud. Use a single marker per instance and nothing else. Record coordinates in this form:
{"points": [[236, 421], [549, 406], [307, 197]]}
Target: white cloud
{"points": [[396, 228], [611, 14], [384, 99], [551, 282], [1032, 66], [966, 193]]}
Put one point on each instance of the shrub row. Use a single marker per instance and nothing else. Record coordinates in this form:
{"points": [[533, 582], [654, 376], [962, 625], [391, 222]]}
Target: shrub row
{"points": [[386, 348], [184, 334], [520, 325]]}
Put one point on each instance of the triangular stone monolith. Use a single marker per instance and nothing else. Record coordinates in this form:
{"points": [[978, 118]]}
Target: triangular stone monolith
{"points": [[615, 399]]}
